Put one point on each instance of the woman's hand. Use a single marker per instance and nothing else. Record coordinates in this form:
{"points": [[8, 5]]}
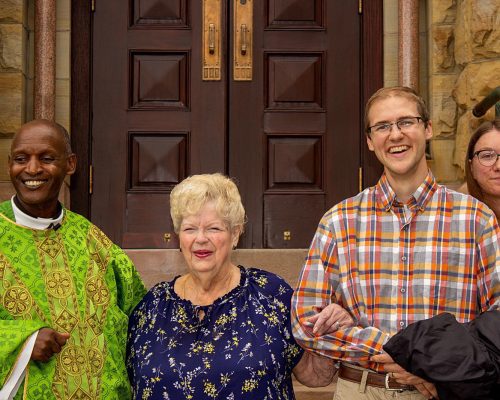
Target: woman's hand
{"points": [[330, 319]]}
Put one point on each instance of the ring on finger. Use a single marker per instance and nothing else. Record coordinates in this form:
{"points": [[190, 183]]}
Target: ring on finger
{"points": [[337, 325]]}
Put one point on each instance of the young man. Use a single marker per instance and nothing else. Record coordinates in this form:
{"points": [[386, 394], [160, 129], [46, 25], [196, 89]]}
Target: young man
{"points": [[65, 289], [402, 251]]}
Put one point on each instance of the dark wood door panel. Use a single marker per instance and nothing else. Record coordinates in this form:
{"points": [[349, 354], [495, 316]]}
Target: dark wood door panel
{"points": [[155, 120], [290, 220], [304, 131], [290, 138]]}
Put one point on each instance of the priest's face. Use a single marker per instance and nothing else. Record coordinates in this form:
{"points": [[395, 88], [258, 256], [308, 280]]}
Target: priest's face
{"points": [[38, 163]]}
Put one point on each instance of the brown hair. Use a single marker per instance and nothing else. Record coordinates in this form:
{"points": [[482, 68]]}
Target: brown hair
{"points": [[397, 91], [472, 185]]}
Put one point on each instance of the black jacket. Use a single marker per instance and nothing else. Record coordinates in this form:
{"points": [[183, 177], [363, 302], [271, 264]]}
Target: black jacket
{"points": [[462, 360]]}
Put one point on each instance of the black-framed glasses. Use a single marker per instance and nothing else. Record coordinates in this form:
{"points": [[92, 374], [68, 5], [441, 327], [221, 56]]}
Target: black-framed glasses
{"points": [[486, 157], [404, 125]]}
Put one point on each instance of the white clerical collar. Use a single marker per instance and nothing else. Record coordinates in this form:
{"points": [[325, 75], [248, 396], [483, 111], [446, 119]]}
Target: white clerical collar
{"points": [[33, 222]]}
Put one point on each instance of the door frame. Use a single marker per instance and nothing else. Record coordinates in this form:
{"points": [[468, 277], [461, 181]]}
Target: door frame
{"points": [[81, 92]]}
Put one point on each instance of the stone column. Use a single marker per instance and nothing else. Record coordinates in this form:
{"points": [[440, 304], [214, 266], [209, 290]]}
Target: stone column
{"points": [[408, 43], [45, 59]]}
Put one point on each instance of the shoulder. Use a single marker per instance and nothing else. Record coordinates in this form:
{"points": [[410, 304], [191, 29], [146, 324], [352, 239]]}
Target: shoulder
{"points": [[267, 282], [352, 207], [464, 204], [160, 292]]}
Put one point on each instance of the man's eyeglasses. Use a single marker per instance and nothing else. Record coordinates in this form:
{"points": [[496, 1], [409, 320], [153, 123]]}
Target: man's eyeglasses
{"points": [[404, 125], [486, 157]]}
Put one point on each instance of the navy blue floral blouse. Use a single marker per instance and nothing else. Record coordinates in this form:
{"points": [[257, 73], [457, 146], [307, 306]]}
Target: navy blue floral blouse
{"points": [[243, 348]]}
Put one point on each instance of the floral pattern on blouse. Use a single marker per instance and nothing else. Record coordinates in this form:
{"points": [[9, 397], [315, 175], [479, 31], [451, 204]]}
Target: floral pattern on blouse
{"points": [[242, 348]]}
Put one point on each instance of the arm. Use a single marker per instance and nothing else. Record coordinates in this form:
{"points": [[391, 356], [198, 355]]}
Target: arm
{"points": [[130, 287], [316, 289], [313, 370], [488, 266], [14, 335]]}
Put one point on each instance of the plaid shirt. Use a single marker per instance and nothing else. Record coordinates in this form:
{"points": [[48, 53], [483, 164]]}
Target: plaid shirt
{"points": [[391, 264]]}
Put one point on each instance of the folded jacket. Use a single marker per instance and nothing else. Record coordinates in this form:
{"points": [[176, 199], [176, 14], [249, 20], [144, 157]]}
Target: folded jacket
{"points": [[462, 360]]}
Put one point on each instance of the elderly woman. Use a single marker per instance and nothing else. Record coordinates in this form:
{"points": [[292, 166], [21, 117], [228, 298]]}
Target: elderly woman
{"points": [[482, 168], [221, 331]]}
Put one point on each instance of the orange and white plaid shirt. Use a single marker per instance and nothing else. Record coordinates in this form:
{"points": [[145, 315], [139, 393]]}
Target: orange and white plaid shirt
{"points": [[391, 264]]}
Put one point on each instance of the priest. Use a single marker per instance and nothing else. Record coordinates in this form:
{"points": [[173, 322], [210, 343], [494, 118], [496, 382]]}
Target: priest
{"points": [[65, 289]]}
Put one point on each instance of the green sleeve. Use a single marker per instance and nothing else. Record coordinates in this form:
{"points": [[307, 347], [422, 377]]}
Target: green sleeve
{"points": [[130, 288], [13, 334]]}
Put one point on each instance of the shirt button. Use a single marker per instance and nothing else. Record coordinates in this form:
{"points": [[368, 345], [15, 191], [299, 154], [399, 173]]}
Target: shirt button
{"points": [[401, 323], [403, 290], [403, 258]]}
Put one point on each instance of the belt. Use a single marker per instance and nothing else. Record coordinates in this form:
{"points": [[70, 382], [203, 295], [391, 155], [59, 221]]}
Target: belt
{"points": [[374, 379]]}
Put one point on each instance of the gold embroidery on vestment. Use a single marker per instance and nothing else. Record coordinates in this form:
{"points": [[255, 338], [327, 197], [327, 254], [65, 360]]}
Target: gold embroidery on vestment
{"points": [[17, 301]]}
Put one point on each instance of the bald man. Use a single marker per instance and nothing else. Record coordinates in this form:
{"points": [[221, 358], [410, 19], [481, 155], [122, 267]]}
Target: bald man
{"points": [[65, 289]]}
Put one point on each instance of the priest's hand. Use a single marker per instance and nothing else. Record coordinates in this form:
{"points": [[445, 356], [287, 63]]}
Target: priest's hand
{"points": [[48, 342]]}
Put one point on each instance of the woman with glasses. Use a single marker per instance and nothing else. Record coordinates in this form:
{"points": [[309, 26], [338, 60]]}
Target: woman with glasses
{"points": [[482, 168]]}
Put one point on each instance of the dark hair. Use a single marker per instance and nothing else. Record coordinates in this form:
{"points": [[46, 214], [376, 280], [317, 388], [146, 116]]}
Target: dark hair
{"points": [[472, 185], [397, 91]]}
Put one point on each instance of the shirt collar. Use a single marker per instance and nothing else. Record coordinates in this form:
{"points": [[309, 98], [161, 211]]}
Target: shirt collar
{"points": [[32, 222], [386, 195]]}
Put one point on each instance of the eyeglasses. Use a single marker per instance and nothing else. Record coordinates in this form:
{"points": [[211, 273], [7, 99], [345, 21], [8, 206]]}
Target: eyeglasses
{"points": [[486, 157], [404, 125]]}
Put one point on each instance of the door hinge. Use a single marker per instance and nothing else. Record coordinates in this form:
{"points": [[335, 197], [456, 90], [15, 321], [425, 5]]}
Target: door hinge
{"points": [[360, 6], [360, 179], [91, 178], [92, 5]]}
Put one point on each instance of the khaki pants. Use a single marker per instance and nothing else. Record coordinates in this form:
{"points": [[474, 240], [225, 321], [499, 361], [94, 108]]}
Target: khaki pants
{"points": [[347, 390]]}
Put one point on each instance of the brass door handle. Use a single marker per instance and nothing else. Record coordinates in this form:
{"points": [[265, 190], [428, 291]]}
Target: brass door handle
{"points": [[243, 32], [211, 38], [243, 37]]}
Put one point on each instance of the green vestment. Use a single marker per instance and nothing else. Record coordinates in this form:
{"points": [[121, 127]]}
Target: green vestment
{"points": [[75, 280]]}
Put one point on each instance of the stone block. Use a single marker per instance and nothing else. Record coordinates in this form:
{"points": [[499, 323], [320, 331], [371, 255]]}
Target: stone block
{"points": [[63, 40], [11, 11], [4, 156], [442, 11], [11, 47], [390, 59], [442, 156], [62, 113], [484, 28], [477, 35], [475, 82], [442, 105], [391, 17], [63, 15], [11, 102], [443, 55]]}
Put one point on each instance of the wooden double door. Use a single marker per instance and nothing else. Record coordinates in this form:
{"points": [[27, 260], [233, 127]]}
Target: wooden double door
{"points": [[266, 91]]}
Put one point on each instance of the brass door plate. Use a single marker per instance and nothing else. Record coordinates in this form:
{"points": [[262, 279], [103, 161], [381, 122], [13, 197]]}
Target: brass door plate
{"points": [[211, 41], [243, 40]]}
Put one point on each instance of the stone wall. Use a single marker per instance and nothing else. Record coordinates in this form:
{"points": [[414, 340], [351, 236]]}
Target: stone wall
{"points": [[17, 74], [13, 76], [464, 66]]}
